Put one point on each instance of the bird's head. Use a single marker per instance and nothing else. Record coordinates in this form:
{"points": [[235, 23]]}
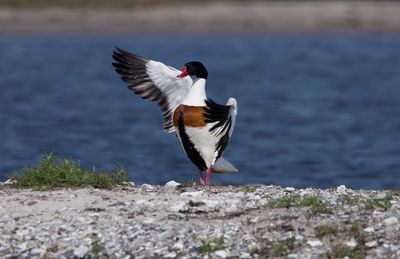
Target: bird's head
{"points": [[194, 68]]}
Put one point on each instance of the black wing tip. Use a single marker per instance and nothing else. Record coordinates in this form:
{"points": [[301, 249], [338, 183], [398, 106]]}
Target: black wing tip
{"points": [[118, 52]]}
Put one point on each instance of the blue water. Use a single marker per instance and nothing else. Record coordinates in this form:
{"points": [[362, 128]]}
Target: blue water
{"points": [[314, 111]]}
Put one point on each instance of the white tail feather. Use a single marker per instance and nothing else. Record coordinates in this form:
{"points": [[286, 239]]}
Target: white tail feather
{"points": [[223, 166]]}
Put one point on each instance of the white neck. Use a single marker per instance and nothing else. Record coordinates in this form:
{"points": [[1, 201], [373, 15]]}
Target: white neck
{"points": [[197, 93]]}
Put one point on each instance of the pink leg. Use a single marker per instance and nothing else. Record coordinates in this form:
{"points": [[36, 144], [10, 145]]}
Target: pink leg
{"points": [[201, 180], [208, 176]]}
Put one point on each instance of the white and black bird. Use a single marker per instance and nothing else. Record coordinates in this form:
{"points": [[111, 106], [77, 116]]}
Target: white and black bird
{"points": [[202, 126]]}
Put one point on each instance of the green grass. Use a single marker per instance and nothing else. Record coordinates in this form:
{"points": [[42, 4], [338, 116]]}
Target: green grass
{"points": [[351, 200], [208, 246], [188, 184], [249, 188], [52, 172], [384, 203], [97, 248], [275, 249], [314, 202], [359, 252], [284, 202], [324, 230], [355, 230], [341, 251]]}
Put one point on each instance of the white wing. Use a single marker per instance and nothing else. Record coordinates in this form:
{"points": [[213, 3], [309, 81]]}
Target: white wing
{"points": [[232, 113], [154, 81]]}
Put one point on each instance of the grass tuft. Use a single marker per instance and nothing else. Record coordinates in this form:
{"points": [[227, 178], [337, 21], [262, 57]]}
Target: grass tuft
{"points": [[249, 188], [208, 246], [314, 202], [97, 248], [324, 230], [188, 184], [284, 202], [355, 230], [383, 203], [275, 249], [351, 200], [52, 172], [341, 252]]}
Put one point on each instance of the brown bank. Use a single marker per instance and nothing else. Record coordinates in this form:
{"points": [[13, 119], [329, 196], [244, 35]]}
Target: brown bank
{"points": [[255, 17]]}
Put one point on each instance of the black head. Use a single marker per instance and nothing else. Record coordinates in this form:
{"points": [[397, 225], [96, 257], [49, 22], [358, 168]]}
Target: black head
{"points": [[194, 68]]}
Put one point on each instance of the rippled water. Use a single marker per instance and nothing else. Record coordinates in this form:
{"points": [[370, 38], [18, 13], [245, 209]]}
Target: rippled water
{"points": [[314, 111]]}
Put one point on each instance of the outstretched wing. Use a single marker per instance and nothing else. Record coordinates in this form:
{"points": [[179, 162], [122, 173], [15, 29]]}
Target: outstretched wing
{"points": [[154, 81], [223, 117]]}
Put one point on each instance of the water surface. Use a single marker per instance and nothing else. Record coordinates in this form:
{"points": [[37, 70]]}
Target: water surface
{"points": [[314, 111]]}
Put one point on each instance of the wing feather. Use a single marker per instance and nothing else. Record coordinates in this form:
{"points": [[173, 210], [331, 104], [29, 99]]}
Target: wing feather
{"points": [[154, 81], [223, 117]]}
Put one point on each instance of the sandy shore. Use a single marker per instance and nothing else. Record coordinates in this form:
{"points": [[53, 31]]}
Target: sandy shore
{"points": [[195, 222], [271, 17]]}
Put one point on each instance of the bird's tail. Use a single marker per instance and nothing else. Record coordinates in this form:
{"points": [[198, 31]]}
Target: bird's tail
{"points": [[223, 166]]}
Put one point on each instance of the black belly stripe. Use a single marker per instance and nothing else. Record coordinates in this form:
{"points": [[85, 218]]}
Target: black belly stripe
{"points": [[190, 150]]}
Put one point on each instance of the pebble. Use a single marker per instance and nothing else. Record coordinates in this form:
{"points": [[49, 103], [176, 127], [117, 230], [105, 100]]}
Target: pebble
{"points": [[314, 243], [351, 243], [214, 204], [177, 246], [245, 255], [369, 229], [178, 207], [172, 184], [371, 244], [38, 251], [80, 251], [148, 220], [22, 246], [192, 194], [147, 187], [7, 182], [141, 201], [290, 189], [299, 237], [341, 189], [391, 221], [31, 203], [170, 255], [221, 254]]}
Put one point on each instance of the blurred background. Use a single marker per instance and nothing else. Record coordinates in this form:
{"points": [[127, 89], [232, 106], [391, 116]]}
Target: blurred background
{"points": [[317, 84]]}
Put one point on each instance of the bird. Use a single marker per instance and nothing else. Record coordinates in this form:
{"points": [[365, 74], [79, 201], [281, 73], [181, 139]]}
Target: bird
{"points": [[202, 126]]}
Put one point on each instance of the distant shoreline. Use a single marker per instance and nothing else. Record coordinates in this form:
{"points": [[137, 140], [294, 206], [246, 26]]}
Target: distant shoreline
{"points": [[252, 18]]}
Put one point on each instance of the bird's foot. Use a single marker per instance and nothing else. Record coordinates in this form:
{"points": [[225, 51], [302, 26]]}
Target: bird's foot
{"points": [[208, 176], [201, 180]]}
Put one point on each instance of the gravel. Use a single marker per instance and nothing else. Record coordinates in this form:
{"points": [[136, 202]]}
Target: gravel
{"points": [[177, 221]]}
